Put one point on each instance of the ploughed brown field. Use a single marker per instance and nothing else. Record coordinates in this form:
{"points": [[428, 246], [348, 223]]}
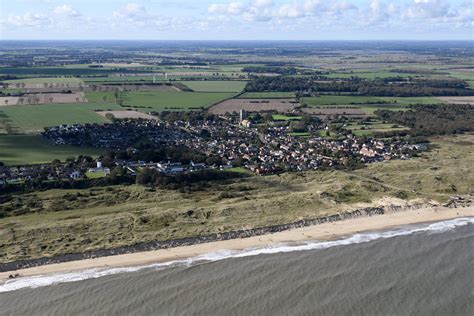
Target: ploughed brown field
{"points": [[44, 85], [44, 98], [127, 114], [254, 105], [458, 100]]}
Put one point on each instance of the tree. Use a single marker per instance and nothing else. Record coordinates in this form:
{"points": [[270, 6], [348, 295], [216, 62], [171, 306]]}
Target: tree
{"points": [[110, 116]]}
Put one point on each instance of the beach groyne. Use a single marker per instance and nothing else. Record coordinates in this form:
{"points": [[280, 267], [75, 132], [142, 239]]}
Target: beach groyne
{"points": [[235, 234]]}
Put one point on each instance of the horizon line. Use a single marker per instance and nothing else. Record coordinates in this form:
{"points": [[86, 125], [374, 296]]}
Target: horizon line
{"points": [[247, 40]]}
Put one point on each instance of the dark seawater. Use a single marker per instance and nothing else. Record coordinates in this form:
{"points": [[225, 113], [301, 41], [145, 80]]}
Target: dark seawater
{"points": [[416, 270]]}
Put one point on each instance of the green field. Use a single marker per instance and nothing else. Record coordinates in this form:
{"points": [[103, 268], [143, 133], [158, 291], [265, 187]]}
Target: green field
{"points": [[95, 175], [300, 134], [32, 118], [34, 149], [280, 117], [461, 75], [116, 79], [64, 80], [373, 127], [373, 74], [161, 101], [215, 86], [367, 103], [335, 100], [411, 100], [267, 95]]}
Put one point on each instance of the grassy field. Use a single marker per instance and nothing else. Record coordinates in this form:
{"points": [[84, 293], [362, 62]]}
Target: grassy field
{"points": [[64, 221], [215, 86], [95, 175], [267, 95], [369, 129], [349, 100], [34, 149], [411, 100], [280, 117], [33, 118], [300, 134], [160, 101], [373, 74], [115, 79], [64, 80]]}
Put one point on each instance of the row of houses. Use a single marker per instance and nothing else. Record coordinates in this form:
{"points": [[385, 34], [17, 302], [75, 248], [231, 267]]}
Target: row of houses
{"points": [[273, 150]]}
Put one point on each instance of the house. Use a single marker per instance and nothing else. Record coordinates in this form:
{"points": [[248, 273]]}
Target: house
{"points": [[99, 169], [76, 175], [246, 123], [170, 167]]}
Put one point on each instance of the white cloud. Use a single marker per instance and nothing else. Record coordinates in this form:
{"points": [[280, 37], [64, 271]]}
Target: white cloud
{"points": [[265, 10], [427, 9], [66, 10], [262, 3], [273, 17], [132, 12], [311, 5], [231, 8], [28, 19]]}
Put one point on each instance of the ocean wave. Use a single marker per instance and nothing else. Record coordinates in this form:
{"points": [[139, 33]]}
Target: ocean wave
{"points": [[45, 280]]}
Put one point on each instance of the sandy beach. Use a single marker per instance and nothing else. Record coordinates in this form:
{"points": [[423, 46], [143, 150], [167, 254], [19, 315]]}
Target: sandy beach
{"points": [[318, 232]]}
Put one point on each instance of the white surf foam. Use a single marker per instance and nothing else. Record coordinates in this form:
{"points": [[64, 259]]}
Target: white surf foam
{"points": [[45, 280]]}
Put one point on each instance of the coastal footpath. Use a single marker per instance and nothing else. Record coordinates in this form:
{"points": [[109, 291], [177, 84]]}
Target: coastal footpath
{"points": [[327, 227]]}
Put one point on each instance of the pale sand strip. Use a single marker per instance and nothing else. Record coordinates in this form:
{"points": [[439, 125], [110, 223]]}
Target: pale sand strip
{"points": [[317, 232]]}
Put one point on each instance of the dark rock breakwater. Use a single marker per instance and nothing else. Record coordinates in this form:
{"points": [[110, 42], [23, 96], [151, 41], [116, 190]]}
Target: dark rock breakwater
{"points": [[235, 234]]}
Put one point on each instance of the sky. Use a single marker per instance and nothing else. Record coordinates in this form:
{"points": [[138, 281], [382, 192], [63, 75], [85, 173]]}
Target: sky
{"points": [[237, 19]]}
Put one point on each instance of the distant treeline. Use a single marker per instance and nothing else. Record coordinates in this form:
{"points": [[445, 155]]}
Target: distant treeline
{"points": [[425, 120], [389, 87], [280, 70], [52, 71]]}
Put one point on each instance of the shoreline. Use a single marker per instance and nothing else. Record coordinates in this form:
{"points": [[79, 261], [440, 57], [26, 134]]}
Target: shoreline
{"points": [[309, 232]]}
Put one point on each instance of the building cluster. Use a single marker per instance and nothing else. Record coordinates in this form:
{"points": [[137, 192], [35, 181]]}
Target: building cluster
{"points": [[42, 172], [266, 152], [119, 135]]}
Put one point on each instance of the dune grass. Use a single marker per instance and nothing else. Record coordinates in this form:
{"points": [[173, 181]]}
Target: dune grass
{"points": [[62, 221]]}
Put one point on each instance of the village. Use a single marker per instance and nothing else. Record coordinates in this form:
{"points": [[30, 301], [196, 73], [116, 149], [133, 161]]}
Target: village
{"points": [[215, 142]]}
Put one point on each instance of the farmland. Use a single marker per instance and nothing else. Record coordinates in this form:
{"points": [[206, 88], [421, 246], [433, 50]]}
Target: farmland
{"points": [[161, 101], [254, 105], [371, 74], [215, 86], [280, 117], [350, 100], [44, 98], [34, 149], [47, 80], [32, 118], [369, 128], [267, 95]]}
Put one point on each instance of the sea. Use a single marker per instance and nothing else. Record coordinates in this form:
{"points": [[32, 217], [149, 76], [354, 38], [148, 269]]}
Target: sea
{"points": [[423, 269]]}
